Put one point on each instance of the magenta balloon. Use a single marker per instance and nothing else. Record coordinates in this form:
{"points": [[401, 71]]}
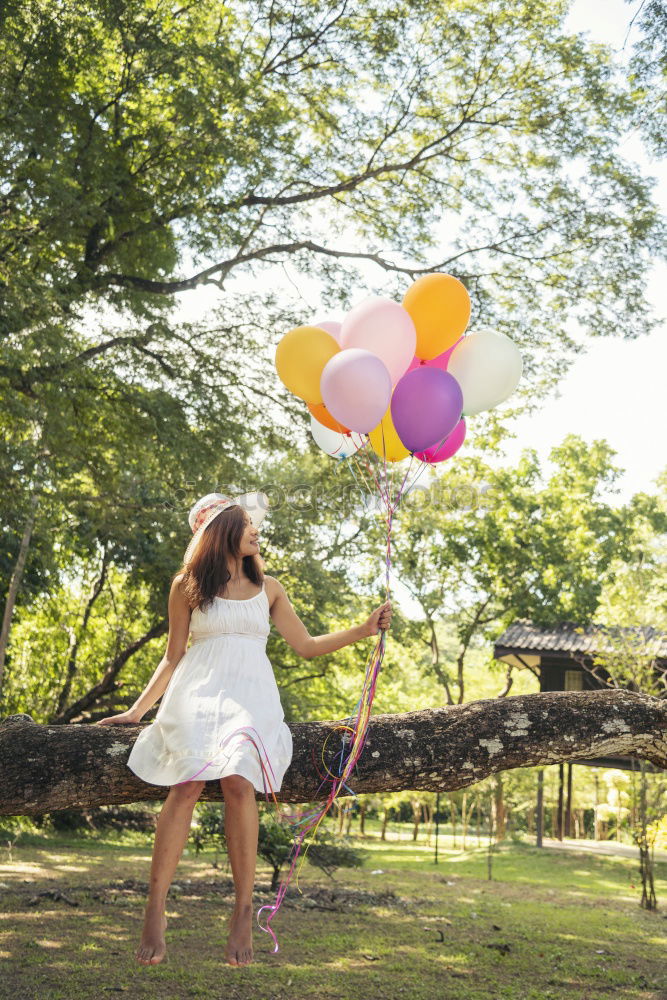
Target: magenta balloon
{"points": [[439, 362], [449, 446], [425, 406], [356, 388], [330, 326]]}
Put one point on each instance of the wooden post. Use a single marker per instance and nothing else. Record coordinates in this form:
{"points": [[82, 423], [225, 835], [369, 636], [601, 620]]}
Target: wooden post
{"points": [[559, 808], [464, 818], [568, 807], [499, 803], [596, 822], [437, 818], [540, 806]]}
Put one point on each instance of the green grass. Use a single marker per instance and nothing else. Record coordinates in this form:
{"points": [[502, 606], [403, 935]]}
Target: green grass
{"points": [[417, 930]]}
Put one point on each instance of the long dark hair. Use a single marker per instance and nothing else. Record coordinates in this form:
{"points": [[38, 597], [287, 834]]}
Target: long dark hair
{"points": [[206, 575]]}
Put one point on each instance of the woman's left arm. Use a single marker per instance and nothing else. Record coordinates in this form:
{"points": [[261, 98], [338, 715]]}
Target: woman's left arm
{"points": [[295, 633]]}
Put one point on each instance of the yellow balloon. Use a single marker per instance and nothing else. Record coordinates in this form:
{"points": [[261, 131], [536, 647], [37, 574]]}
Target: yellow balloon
{"points": [[439, 305], [393, 450], [300, 357]]}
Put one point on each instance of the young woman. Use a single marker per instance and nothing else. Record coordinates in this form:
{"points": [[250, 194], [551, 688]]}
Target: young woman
{"points": [[220, 716]]}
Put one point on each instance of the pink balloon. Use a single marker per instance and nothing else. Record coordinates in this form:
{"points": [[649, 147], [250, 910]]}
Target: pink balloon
{"points": [[356, 388], [385, 328], [330, 326], [449, 446], [439, 362]]}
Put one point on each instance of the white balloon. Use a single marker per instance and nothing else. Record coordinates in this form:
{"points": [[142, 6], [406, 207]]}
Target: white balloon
{"points": [[332, 442], [488, 368]]}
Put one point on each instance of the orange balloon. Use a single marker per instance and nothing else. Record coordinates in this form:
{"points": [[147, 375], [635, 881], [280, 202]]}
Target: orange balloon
{"points": [[385, 441], [439, 305], [323, 416], [300, 358]]}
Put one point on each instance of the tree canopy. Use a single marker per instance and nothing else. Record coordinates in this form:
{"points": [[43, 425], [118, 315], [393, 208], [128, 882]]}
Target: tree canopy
{"points": [[154, 151]]}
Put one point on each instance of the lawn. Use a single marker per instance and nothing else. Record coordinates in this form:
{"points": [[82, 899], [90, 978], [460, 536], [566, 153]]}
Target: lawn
{"points": [[550, 924]]}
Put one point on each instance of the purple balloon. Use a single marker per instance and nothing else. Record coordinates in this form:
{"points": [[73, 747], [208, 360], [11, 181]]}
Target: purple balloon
{"points": [[425, 407], [356, 388], [449, 446]]}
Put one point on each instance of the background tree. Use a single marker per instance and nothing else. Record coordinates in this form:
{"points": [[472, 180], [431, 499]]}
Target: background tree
{"points": [[483, 545], [648, 71], [150, 152]]}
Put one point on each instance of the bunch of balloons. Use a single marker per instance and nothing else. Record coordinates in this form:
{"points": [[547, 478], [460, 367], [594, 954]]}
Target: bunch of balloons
{"points": [[401, 377], [391, 380]]}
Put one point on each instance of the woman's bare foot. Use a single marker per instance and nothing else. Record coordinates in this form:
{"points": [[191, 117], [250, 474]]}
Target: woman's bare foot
{"points": [[152, 947], [239, 943]]}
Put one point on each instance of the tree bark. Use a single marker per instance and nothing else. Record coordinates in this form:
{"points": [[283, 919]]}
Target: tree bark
{"points": [[44, 768]]}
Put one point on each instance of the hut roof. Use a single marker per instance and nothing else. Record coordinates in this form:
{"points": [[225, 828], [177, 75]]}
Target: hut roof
{"points": [[568, 637]]}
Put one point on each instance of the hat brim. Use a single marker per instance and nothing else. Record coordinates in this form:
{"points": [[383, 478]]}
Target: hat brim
{"points": [[255, 503]]}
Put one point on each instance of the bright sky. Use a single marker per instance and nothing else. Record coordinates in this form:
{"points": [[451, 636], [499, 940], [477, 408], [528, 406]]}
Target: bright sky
{"points": [[617, 390]]}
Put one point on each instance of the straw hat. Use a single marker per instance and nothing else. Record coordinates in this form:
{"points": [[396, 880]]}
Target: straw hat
{"points": [[205, 510]]}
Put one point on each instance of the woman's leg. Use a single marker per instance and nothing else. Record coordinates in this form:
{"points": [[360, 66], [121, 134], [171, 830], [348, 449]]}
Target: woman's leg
{"points": [[173, 826], [241, 830]]}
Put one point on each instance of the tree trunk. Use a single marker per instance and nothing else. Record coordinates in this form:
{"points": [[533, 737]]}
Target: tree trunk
{"points": [[416, 817], [385, 817], [499, 808], [362, 818], [464, 821], [596, 820], [645, 844], [453, 812], [559, 808], [339, 805], [108, 683], [427, 819], [568, 805], [490, 845], [539, 818], [43, 768], [15, 583], [70, 670]]}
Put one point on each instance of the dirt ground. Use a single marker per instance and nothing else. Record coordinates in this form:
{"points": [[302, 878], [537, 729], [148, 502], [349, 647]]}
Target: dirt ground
{"points": [[551, 924]]}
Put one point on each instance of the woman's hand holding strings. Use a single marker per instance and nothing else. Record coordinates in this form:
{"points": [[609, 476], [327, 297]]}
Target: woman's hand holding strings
{"points": [[379, 619]]}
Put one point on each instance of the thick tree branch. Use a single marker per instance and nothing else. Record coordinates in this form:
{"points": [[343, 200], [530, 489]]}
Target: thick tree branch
{"points": [[70, 670], [43, 768], [109, 683]]}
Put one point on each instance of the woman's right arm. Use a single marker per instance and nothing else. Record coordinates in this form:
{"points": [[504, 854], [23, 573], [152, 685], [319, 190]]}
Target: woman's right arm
{"points": [[179, 627]]}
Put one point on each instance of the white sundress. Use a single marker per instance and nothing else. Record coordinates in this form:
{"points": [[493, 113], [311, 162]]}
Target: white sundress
{"points": [[221, 712]]}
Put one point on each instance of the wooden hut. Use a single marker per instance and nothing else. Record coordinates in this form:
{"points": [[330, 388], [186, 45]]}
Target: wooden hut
{"points": [[570, 657]]}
